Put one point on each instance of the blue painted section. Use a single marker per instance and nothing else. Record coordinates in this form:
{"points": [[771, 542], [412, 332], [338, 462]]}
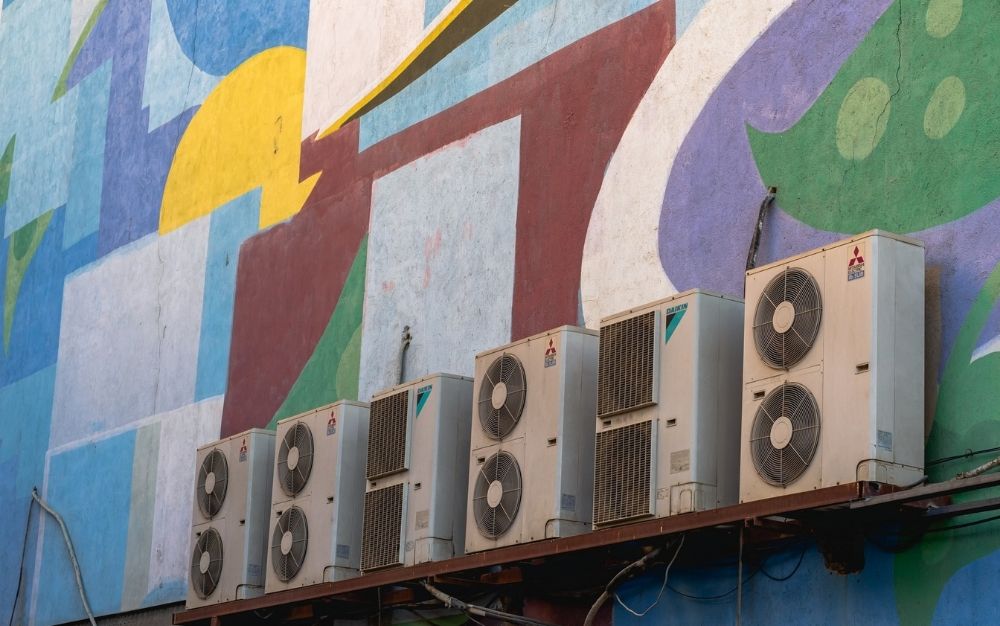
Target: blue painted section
{"points": [[686, 10], [231, 224], [83, 207], [34, 340], [862, 598], [90, 486], [166, 592], [172, 82], [432, 8], [136, 161], [970, 597], [520, 37], [25, 409], [34, 44], [235, 30]]}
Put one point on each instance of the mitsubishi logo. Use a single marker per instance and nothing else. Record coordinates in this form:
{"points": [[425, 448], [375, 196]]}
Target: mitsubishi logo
{"points": [[857, 259]]}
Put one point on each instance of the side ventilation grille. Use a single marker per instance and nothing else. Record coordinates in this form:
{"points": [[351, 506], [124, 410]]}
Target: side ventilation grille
{"points": [[625, 368], [622, 473], [387, 435], [380, 545]]}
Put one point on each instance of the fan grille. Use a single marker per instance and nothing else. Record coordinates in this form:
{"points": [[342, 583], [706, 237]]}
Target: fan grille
{"points": [[387, 435], [622, 473], [625, 364], [213, 479], [289, 543], [297, 448], [794, 296], [383, 522], [785, 434], [499, 422], [209, 544], [497, 495]]}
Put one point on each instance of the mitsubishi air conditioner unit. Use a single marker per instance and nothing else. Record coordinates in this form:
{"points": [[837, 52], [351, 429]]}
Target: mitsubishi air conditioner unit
{"points": [[532, 454], [668, 408], [418, 445], [229, 523], [834, 368], [317, 496]]}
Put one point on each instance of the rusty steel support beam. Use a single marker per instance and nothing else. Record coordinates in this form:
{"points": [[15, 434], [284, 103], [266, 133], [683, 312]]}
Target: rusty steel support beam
{"points": [[838, 496]]}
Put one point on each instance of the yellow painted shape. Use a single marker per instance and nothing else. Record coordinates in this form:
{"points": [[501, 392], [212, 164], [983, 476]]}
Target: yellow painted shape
{"points": [[245, 135], [429, 38]]}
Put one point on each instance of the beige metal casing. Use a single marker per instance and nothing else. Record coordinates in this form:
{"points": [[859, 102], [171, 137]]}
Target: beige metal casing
{"points": [[333, 495], [242, 518], [553, 441], [694, 413], [865, 368], [434, 477]]}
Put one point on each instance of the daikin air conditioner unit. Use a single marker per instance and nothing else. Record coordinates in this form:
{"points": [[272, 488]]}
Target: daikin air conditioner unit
{"points": [[668, 409], [317, 496], [229, 522], [834, 368], [418, 445], [532, 454]]}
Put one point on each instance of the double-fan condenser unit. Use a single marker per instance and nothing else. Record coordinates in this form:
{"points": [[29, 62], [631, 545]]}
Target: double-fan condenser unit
{"points": [[317, 494], [229, 522], [418, 445], [668, 414], [532, 440], [834, 368]]}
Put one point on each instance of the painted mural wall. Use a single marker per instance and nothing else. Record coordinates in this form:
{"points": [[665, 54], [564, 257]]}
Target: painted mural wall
{"points": [[219, 214]]}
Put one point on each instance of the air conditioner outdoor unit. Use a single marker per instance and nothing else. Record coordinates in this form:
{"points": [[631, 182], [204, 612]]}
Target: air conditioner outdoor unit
{"points": [[229, 523], [532, 454], [668, 408], [834, 368], [418, 442], [317, 496]]}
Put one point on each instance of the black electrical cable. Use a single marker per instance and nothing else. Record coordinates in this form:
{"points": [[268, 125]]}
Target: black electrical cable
{"points": [[968, 454], [791, 573], [965, 525], [20, 567], [715, 597]]}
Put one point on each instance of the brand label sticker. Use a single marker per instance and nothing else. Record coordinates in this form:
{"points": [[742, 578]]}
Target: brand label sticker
{"points": [[331, 424], [550, 354], [680, 461], [568, 502], [343, 551], [422, 394], [243, 451], [856, 263]]}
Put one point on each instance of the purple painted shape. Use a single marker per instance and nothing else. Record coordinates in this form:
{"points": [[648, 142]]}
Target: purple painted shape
{"points": [[136, 161], [714, 189]]}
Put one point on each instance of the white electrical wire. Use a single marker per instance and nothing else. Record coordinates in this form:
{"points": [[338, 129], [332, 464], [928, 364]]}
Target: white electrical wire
{"points": [[72, 552], [666, 575]]}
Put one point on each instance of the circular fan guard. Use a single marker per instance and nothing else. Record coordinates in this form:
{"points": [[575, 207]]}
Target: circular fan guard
{"points": [[213, 478], [497, 495], [501, 396], [785, 434], [295, 459], [787, 318], [288, 543], [206, 563]]}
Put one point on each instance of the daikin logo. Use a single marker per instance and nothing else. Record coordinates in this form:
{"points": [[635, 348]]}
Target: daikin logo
{"points": [[672, 319], [422, 394]]}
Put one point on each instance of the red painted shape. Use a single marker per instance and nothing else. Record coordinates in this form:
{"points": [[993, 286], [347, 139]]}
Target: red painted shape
{"points": [[574, 107]]}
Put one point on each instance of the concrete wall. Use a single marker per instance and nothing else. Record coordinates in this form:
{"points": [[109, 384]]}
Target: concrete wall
{"points": [[218, 214]]}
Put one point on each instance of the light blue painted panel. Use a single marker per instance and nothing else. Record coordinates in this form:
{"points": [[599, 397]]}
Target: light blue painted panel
{"points": [[686, 11], [83, 207], [521, 36], [25, 409], [432, 8], [230, 227], [173, 83], [90, 486], [970, 596]]}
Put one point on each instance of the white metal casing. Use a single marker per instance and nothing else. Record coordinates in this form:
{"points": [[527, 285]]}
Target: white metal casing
{"points": [[434, 479], [865, 368], [242, 518], [332, 497], [694, 412], [553, 441]]}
